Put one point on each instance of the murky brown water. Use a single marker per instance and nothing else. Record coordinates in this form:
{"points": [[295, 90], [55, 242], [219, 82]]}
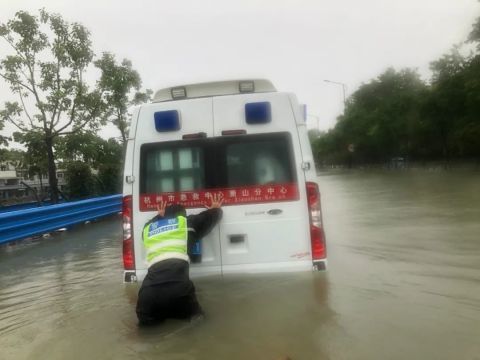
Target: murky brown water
{"points": [[403, 283]]}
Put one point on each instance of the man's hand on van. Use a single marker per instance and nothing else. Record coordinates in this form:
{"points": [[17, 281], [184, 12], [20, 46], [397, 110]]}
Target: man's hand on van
{"points": [[161, 208], [216, 201]]}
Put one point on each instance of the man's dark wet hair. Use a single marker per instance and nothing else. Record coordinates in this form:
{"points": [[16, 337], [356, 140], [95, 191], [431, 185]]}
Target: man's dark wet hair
{"points": [[174, 211]]}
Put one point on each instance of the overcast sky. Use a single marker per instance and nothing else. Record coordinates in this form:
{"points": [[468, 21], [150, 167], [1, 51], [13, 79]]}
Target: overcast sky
{"points": [[296, 44]]}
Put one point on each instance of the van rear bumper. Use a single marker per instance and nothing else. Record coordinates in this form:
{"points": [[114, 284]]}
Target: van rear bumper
{"points": [[130, 276], [274, 267]]}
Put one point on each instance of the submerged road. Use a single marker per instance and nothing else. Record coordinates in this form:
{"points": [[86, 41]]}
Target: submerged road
{"points": [[403, 283]]}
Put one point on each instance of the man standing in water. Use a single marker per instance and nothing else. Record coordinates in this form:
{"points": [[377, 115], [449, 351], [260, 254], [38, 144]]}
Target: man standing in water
{"points": [[167, 291]]}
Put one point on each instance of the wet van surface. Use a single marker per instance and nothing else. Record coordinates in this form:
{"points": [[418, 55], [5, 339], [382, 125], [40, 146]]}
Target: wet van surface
{"points": [[272, 230], [251, 149]]}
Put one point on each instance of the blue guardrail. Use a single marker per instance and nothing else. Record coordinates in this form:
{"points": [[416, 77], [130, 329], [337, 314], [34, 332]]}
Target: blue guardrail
{"points": [[21, 224], [24, 206]]}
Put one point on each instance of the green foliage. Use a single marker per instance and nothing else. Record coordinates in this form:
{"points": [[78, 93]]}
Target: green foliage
{"points": [[80, 180], [380, 120], [110, 178], [475, 34], [87, 147], [399, 115], [80, 146], [109, 152], [13, 156], [45, 70], [117, 82], [103, 155], [56, 113], [3, 139], [34, 159]]}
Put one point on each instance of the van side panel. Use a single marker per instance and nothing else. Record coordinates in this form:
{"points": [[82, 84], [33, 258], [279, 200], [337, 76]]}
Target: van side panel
{"points": [[309, 161], [302, 132], [129, 158]]}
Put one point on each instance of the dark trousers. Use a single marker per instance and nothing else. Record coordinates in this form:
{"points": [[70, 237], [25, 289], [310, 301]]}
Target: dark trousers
{"points": [[167, 292]]}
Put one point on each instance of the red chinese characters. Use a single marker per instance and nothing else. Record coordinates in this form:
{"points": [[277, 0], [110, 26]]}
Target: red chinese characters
{"points": [[231, 196]]}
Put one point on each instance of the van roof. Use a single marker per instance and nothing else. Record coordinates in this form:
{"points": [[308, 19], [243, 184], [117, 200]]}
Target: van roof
{"points": [[217, 88]]}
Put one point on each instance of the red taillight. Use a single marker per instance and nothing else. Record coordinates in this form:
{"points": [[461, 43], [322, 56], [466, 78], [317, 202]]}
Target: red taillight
{"points": [[319, 251], [317, 236], [128, 253]]}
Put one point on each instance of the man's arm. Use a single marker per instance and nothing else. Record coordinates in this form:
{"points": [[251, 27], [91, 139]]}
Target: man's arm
{"points": [[205, 221], [160, 213]]}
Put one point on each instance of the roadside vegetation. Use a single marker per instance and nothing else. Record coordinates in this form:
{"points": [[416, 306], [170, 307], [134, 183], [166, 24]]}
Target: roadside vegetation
{"points": [[398, 117], [56, 111]]}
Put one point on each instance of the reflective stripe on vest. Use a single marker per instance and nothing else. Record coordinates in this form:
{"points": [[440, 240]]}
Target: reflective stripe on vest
{"points": [[165, 236]]}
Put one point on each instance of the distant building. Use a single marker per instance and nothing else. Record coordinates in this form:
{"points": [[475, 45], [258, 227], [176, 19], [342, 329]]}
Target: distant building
{"points": [[8, 181], [17, 183]]}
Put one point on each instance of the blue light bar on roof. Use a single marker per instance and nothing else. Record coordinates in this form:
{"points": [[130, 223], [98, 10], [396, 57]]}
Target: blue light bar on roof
{"points": [[258, 113], [167, 120]]}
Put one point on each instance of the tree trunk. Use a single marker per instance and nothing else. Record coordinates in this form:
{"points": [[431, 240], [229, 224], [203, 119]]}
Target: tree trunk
{"points": [[123, 131], [52, 171], [32, 189], [41, 183], [124, 136]]}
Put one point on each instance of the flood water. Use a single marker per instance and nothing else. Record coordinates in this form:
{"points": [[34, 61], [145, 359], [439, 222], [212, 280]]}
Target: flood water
{"points": [[403, 282]]}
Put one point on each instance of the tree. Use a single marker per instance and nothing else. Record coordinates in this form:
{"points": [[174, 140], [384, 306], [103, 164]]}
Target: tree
{"points": [[46, 72], [82, 146], [475, 33], [397, 114], [117, 82], [13, 156], [3, 139], [109, 152], [98, 154], [379, 119], [445, 105], [110, 178], [34, 160], [80, 181], [110, 166], [89, 148]]}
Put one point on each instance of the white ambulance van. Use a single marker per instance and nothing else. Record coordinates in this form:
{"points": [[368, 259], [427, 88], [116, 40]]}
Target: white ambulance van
{"points": [[244, 141]]}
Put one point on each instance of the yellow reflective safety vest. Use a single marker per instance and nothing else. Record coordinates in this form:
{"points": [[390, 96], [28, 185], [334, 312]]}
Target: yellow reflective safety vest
{"points": [[166, 239]]}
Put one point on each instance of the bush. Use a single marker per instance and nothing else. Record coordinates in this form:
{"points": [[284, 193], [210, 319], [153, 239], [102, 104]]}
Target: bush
{"points": [[80, 181], [110, 179]]}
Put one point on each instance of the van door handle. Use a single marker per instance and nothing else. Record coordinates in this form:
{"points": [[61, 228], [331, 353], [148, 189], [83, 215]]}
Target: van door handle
{"points": [[237, 238], [274, 211]]}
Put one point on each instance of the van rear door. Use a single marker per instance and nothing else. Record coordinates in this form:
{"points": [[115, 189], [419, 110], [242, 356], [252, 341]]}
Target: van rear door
{"points": [[174, 169], [265, 225]]}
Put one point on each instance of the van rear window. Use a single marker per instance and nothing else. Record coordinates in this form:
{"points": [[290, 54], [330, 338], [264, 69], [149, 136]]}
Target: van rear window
{"points": [[174, 169], [258, 163], [244, 169]]}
